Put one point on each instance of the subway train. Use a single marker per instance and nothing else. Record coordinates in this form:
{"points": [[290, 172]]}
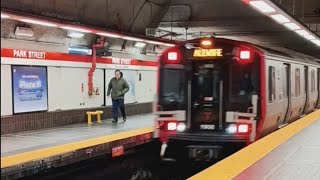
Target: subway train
{"points": [[216, 96]]}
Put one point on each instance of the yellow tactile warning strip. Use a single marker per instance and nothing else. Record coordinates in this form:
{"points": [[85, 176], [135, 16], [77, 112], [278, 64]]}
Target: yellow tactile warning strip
{"points": [[60, 149], [233, 165]]}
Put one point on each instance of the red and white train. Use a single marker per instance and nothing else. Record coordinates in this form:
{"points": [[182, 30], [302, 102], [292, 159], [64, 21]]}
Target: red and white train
{"points": [[216, 96]]}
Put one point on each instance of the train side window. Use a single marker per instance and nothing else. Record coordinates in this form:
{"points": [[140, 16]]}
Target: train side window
{"points": [[313, 81], [297, 82], [272, 84]]}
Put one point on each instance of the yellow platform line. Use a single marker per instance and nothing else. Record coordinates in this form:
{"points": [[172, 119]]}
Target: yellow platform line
{"points": [[17, 159], [233, 165]]}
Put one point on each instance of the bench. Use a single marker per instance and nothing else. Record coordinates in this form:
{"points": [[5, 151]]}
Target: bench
{"points": [[98, 113]]}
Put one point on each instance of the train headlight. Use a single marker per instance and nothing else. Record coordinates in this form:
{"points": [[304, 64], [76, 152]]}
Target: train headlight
{"points": [[232, 128], [181, 127]]}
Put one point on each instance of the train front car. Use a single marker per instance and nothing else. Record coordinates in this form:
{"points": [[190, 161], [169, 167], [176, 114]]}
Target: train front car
{"points": [[208, 105]]}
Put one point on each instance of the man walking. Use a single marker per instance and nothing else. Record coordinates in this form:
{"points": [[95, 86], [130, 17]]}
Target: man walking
{"points": [[118, 87]]}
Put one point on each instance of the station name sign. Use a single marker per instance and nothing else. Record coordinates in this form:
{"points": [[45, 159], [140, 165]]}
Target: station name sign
{"points": [[121, 61], [207, 53], [29, 54]]}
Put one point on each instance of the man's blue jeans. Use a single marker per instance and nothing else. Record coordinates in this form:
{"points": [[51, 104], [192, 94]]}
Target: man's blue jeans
{"points": [[115, 104]]}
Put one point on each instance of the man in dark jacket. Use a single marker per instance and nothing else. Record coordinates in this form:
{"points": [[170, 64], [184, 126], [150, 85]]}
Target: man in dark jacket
{"points": [[118, 87]]}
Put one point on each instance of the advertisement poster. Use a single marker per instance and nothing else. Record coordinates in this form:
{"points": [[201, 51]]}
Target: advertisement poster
{"points": [[29, 89]]}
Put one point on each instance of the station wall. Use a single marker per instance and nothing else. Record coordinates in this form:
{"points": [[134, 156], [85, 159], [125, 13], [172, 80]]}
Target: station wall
{"points": [[67, 88]]}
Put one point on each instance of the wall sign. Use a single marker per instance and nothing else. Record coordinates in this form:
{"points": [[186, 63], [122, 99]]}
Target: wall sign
{"points": [[29, 54], [30, 92], [121, 61]]}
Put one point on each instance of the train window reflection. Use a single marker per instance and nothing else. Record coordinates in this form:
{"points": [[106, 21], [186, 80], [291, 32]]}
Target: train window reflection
{"points": [[243, 82]]}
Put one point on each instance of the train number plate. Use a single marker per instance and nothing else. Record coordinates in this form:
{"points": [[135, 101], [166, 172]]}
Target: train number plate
{"points": [[207, 126], [117, 151]]}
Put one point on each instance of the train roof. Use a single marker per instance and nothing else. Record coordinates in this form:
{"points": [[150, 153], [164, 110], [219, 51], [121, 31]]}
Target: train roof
{"points": [[292, 54], [277, 51]]}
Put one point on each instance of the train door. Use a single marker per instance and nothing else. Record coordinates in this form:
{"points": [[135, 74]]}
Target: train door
{"points": [[318, 83], [306, 89], [286, 91], [206, 95]]}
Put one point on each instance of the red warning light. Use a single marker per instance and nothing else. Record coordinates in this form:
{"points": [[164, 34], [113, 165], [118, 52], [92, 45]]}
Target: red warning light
{"points": [[172, 56]]}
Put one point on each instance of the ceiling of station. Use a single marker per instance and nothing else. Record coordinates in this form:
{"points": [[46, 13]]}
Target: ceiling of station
{"points": [[169, 19]]}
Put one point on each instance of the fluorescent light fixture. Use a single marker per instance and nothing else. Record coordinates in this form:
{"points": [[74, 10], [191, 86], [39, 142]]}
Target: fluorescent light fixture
{"points": [[75, 50], [38, 22], [154, 42], [140, 44], [309, 37], [75, 29], [280, 18], [316, 41], [292, 26], [262, 6], [23, 31], [4, 16], [131, 38], [302, 32], [76, 34], [109, 35], [167, 44]]}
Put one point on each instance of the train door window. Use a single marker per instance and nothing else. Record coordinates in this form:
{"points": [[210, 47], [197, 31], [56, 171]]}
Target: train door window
{"points": [[313, 81], [272, 84], [171, 95], [297, 82]]}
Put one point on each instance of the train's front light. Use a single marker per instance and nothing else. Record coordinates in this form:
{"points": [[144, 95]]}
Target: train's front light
{"points": [[232, 128], [181, 127]]}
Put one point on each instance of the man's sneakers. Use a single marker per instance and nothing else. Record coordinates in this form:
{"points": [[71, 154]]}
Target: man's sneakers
{"points": [[116, 120]]}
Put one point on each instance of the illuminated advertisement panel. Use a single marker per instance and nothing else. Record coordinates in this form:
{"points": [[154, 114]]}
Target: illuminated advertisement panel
{"points": [[30, 92]]}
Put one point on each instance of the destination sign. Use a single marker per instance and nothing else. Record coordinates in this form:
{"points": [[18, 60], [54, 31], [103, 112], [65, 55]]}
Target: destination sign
{"points": [[207, 53]]}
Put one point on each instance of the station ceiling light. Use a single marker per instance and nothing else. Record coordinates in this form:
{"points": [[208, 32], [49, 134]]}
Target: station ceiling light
{"points": [[316, 41], [140, 44], [280, 18], [75, 29], [292, 26], [43, 23], [167, 44], [75, 34], [273, 11], [4, 16], [309, 37], [154, 42], [109, 35], [131, 38], [262, 6], [302, 32]]}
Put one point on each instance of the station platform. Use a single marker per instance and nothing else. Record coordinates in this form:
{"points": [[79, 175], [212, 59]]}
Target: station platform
{"points": [[290, 153], [25, 152]]}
